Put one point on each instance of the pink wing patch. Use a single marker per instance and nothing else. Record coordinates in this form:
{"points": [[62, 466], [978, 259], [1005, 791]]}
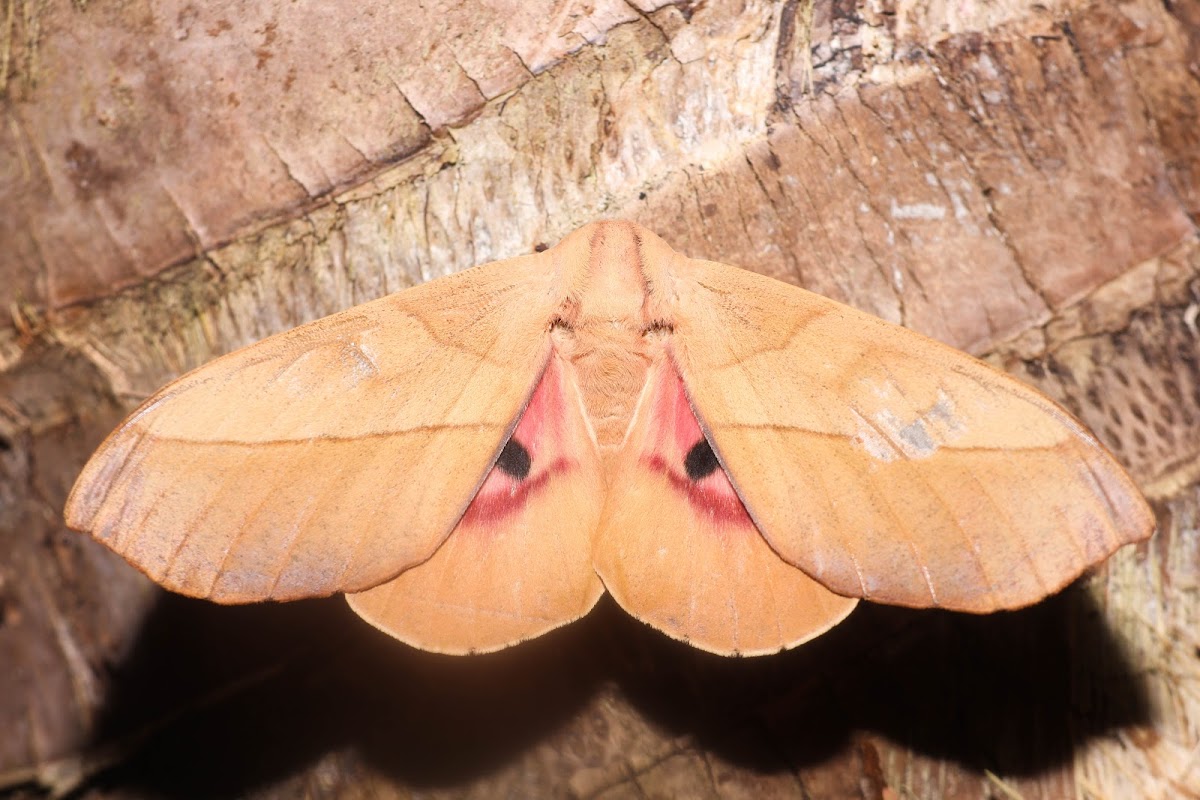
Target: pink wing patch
{"points": [[681, 452], [677, 548], [519, 562], [530, 457]]}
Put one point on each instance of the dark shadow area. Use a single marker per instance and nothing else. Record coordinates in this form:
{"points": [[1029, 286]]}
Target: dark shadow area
{"points": [[217, 700], [1013, 692], [243, 696]]}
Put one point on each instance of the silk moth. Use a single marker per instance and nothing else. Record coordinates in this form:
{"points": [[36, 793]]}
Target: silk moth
{"points": [[474, 461]]}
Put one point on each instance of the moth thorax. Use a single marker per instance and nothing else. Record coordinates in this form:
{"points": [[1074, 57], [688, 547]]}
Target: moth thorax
{"points": [[610, 375]]}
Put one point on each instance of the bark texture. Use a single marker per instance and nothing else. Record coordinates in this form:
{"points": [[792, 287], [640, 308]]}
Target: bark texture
{"points": [[177, 180]]}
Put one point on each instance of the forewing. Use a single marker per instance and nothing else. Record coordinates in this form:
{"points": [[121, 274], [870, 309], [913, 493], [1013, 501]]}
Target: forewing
{"points": [[330, 457], [889, 466]]}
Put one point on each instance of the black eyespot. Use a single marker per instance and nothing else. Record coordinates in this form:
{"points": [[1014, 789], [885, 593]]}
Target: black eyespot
{"points": [[700, 461], [514, 460]]}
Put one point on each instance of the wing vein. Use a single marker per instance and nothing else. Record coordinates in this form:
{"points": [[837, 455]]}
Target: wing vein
{"points": [[241, 532], [1113, 514], [972, 544], [193, 524], [324, 438], [1010, 524]]}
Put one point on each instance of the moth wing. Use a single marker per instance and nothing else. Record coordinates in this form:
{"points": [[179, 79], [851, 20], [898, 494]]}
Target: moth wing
{"points": [[330, 457], [889, 466], [677, 549], [519, 563]]}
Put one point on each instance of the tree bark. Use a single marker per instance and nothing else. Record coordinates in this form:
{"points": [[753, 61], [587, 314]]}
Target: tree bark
{"points": [[1019, 180]]}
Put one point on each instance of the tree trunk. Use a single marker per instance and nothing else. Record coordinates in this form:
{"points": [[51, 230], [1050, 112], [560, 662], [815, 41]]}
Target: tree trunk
{"points": [[1020, 180]]}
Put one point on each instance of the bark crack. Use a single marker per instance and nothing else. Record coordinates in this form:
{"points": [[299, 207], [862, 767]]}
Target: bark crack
{"points": [[520, 59], [189, 228], [287, 168], [986, 190], [870, 201], [468, 76]]}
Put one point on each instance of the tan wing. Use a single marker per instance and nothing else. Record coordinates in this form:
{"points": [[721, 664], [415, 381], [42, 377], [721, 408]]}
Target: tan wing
{"points": [[520, 561], [678, 551], [886, 465], [328, 458]]}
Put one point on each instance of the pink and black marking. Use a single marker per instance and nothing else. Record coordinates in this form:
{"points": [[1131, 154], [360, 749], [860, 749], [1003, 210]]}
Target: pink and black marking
{"points": [[532, 455], [538, 450], [681, 452]]}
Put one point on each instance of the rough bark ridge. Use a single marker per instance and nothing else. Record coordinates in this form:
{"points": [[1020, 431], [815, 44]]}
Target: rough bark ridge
{"points": [[1020, 180]]}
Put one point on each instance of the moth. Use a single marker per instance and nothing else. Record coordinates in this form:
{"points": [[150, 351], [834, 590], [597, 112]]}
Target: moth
{"points": [[475, 460]]}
